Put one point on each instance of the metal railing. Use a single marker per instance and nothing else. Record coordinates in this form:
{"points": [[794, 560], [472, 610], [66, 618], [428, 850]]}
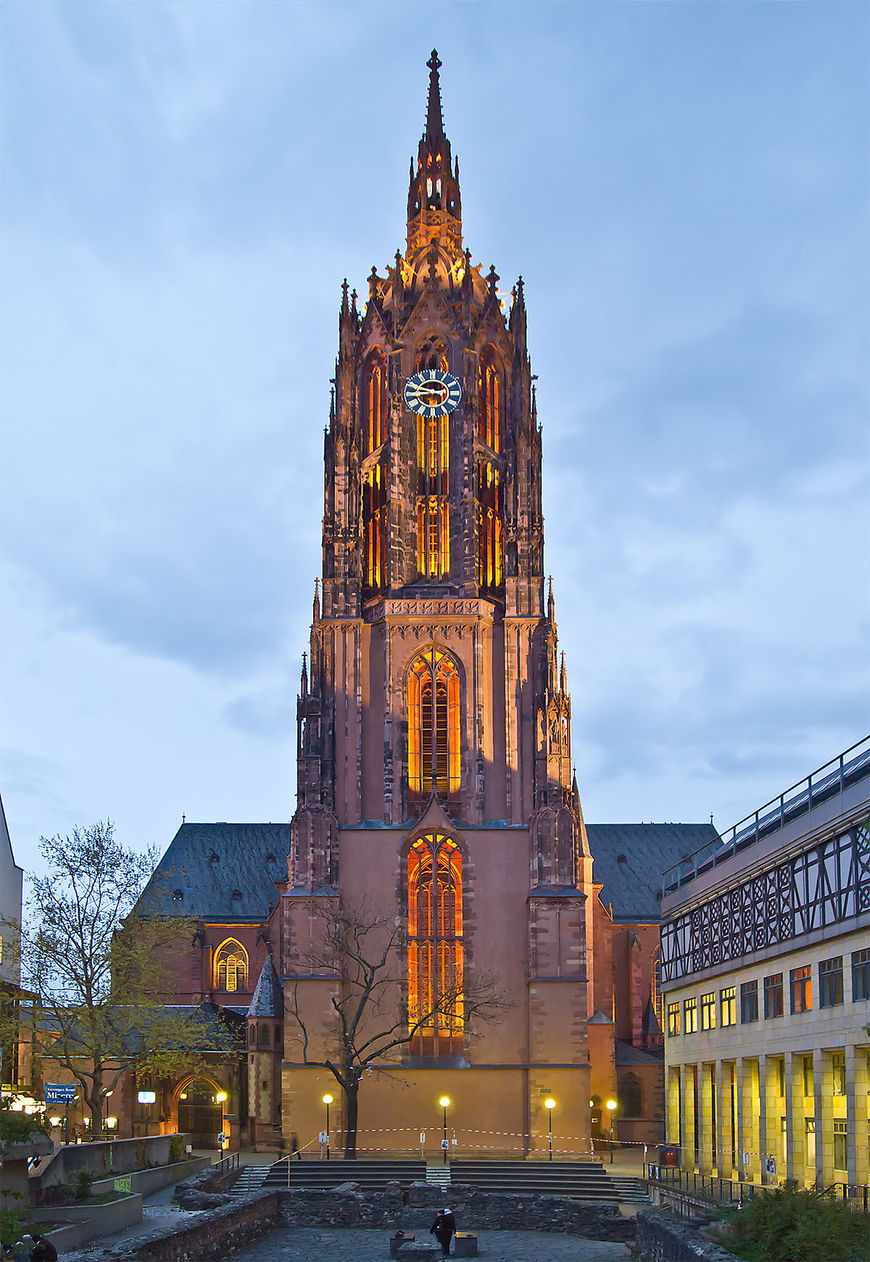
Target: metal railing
{"points": [[826, 782], [229, 1162], [732, 1191]]}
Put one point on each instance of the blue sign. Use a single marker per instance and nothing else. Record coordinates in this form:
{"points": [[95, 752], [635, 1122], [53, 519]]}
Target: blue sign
{"points": [[60, 1092]]}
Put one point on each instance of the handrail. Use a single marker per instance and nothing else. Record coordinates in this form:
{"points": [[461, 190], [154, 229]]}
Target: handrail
{"points": [[830, 779]]}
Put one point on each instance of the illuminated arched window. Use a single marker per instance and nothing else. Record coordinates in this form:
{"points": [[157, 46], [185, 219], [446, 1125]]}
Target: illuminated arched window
{"points": [[374, 489], [435, 963], [433, 477], [489, 400], [374, 403], [231, 966], [656, 988], [489, 527], [433, 725]]}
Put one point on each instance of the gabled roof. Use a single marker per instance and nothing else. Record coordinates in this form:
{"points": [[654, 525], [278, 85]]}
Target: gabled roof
{"points": [[221, 872], [629, 859], [624, 1053], [268, 998]]}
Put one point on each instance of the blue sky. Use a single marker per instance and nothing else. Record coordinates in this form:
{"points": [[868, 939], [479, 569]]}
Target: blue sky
{"points": [[685, 189]]}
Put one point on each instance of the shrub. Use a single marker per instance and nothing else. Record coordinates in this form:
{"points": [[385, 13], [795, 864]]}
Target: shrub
{"points": [[82, 1181], [11, 1223], [792, 1224], [177, 1148], [16, 1126]]}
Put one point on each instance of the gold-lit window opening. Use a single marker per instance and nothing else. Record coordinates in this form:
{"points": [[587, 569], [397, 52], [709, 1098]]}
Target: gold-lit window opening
{"points": [[435, 946], [489, 527], [374, 403], [433, 725], [375, 526], [432, 354], [231, 966], [489, 401]]}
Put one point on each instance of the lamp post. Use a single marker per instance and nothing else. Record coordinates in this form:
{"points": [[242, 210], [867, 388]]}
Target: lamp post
{"points": [[611, 1107], [327, 1100], [549, 1105], [444, 1102]]}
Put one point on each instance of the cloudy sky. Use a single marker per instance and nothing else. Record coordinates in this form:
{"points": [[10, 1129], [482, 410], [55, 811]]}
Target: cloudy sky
{"points": [[685, 188]]}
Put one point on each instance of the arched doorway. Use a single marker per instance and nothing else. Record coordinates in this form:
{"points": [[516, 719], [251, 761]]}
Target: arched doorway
{"points": [[200, 1113]]}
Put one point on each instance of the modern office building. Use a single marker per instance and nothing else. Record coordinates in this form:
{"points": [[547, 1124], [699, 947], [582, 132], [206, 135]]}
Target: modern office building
{"points": [[765, 964]]}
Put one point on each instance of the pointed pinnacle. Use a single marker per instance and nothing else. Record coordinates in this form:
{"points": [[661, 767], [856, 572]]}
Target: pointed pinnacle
{"points": [[434, 120]]}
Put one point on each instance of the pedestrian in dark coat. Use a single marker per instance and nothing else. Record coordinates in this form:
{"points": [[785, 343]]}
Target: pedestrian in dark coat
{"points": [[43, 1250], [443, 1228]]}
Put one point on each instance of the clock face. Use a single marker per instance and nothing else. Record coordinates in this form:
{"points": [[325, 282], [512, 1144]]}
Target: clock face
{"points": [[432, 392]]}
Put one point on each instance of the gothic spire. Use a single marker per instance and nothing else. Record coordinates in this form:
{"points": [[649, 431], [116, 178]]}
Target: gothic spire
{"points": [[434, 119], [434, 209]]}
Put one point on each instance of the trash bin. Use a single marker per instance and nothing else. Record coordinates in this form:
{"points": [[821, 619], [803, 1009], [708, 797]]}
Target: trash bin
{"points": [[669, 1156]]}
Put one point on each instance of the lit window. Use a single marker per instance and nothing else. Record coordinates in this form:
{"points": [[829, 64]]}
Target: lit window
{"points": [[435, 952], [840, 1137], [861, 974], [489, 400], [831, 982], [656, 989], [728, 1005], [773, 997], [690, 1015], [673, 1020], [748, 1002], [433, 487], [708, 1011], [838, 1073], [433, 725], [374, 489], [374, 398], [801, 989], [231, 966], [489, 527], [808, 1075]]}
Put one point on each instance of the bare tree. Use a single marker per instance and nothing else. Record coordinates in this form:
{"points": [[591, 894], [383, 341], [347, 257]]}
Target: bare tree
{"points": [[362, 952], [96, 975]]}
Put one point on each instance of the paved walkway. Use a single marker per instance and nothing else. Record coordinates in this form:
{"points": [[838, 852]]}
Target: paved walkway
{"points": [[309, 1244]]}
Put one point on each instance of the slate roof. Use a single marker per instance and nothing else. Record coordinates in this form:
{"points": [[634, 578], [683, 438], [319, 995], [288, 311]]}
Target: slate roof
{"points": [[624, 1053], [268, 998], [210, 863], [633, 886]]}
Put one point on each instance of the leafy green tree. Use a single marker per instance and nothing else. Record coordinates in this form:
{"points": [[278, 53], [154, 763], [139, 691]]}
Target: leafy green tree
{"points": [[98, 974]]}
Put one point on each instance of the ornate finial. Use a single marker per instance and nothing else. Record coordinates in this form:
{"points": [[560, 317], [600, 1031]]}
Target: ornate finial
{"points": [[433, 260], [434, 121], [492, 278]]}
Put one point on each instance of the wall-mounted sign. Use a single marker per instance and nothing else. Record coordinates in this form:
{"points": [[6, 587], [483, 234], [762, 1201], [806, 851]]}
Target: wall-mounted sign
{"points": [[60, 1092], [147, 1097]]}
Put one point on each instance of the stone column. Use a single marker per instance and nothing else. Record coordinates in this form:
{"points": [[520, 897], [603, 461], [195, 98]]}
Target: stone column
{"points": [[822, 1112], [687, 1128], [852, 1058], [764, 1064]]}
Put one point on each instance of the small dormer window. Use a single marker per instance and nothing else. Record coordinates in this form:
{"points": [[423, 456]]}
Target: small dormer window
{"points": [[620, 858], [177, 895], [237, 893], [270, 858], [212, 858]]}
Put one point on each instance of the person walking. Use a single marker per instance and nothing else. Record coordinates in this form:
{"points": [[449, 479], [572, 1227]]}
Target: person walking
{"points": [[443, 1228]]}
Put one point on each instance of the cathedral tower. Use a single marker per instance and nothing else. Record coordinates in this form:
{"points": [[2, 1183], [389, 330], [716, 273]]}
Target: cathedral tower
{"points": [[434, 719]]}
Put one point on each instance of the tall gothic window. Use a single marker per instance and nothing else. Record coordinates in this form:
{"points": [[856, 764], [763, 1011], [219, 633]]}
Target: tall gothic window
{"points": [[375, 526], [231, 966], [489, 400], [433, 478], [433, 725], [489, 529], [374, 400], [435, 948]]}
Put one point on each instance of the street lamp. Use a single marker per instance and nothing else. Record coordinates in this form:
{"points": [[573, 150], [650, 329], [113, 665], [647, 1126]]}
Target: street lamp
{"points": [[549, 1105], [327, 1100], [611, 1106], [445, 1104]]}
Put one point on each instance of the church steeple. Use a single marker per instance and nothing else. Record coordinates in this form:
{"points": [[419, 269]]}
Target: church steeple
{"points": [[434, 207]]}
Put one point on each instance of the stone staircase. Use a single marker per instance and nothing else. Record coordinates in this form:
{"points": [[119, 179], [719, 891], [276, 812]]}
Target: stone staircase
{"points": [[371, 1175], [439, 1175], [251, 1179], [582, 1180]]}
